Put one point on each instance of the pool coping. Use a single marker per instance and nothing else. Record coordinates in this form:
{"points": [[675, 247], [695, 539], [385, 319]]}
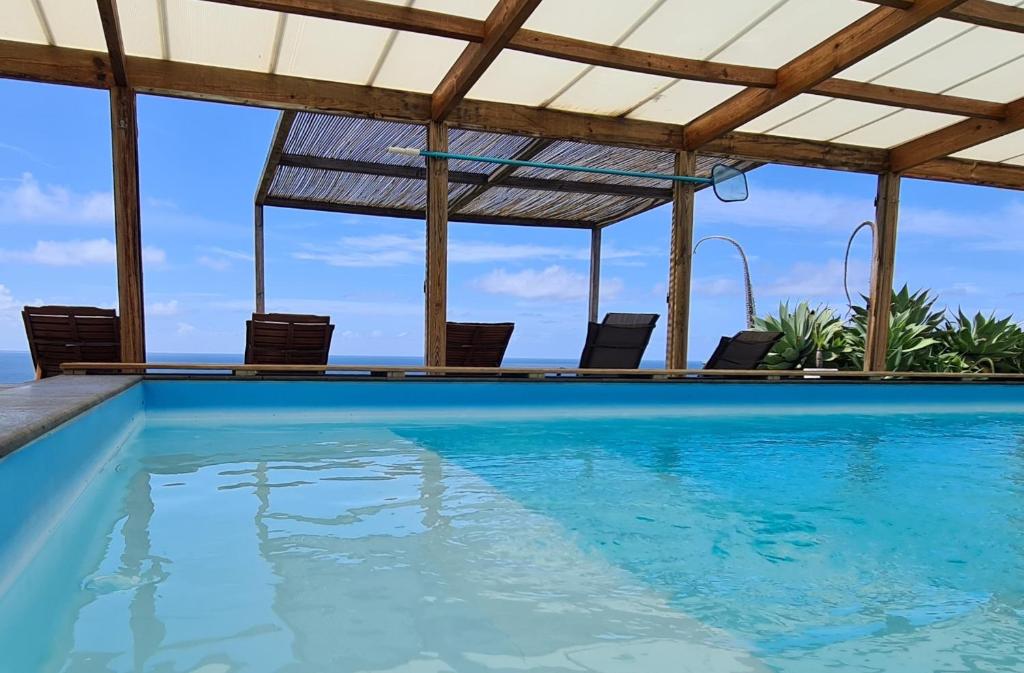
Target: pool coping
{"points": [[30, 410]]}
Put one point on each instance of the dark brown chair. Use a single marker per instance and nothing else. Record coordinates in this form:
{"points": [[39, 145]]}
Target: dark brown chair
{"points": [[287, 339], [746, 350], [618, 342], [58, 334], [477, 344]]}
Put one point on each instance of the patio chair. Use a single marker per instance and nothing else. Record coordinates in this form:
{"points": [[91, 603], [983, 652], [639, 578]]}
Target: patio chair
{"points": [[618, 341], [59, 334], [477, 344], [746, 350], [287, 339]]}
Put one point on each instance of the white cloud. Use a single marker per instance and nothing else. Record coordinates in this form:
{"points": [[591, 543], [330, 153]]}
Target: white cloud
{"points": [[385, 250], [8, 306], [28, 200], [552, 283], [215, 263], [332, 307], [715, 287], [230, 254], [790, 209], [77, 253], [712, 286], [185, 328], [219, 259], [163, 308], [825, 212], [809, 280]]}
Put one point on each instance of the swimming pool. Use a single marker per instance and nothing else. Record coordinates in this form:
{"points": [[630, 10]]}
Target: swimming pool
{"points": [[208, 527]]}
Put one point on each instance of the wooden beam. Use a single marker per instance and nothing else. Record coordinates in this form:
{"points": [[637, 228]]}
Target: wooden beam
{"points": [[908, 98], [965, 171], [368, 13], [127, 226], [680, 264], [608, 56], [798, 152], [200, 82], [594, 301], [281, 131], [505, 19], [258, 257], [979, 12], [112, 33], [377, 211], [857, 41], [959, 136], [436, 286], [54, 65], [283, 92], [635, 60], [468, 178], [883, 258], [527, 375], [89, 68]]}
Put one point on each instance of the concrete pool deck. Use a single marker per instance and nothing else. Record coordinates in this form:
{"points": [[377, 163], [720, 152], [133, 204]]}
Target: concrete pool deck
{"points": [[32, 409]]}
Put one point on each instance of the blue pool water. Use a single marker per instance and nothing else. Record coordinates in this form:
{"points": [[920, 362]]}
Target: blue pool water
{"points": [[419, 527]]}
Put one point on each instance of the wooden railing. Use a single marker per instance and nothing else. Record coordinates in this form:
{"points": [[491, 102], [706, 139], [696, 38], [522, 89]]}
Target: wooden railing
{"points": [[541, 373]]}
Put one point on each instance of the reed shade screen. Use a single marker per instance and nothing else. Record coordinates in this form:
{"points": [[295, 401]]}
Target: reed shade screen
{"points": [[341, 164]]}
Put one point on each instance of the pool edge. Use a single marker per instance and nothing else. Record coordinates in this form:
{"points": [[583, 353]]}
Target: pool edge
{"points": [[30, 410]]}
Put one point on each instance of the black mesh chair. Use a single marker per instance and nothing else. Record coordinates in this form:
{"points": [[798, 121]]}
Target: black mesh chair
{"points": [[617, 342], [746, 350]]}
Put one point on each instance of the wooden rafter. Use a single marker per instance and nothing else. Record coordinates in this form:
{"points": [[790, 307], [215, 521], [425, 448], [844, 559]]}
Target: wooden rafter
{"points": [[479, 179], [383, 211], [979, 12], [965, 171], [857, 41], [959, 136], [112, 33], [507, 17], [909, 98], [284, 126], [428, 22]]}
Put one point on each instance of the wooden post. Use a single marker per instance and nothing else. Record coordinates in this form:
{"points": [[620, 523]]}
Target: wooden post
{"points": [[127, 224], [261, 288], [680, 263], [436, 286], [883, 257], [595, 274]]}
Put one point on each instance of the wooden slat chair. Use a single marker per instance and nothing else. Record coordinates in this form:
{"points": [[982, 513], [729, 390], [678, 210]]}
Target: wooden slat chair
{"points": [[746, 350], [618, 342], [477, 344], [58, 334], [287, 339]]}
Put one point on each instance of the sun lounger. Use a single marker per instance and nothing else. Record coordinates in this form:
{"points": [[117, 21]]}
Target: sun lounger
{"points": [[58, 334]]}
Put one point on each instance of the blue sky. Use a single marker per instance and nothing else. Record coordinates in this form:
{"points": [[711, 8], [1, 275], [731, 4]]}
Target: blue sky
{"points": [[200, 163]]}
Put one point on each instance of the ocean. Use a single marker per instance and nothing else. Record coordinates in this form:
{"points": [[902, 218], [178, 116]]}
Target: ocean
{"points": [[16, 366]]}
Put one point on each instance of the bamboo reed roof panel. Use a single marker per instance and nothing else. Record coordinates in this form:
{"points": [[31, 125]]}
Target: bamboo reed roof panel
{"points": [[375, 191], [341, 164], [531, 204]]}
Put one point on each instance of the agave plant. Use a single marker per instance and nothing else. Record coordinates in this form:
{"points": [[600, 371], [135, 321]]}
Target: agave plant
{"points": [[985, 343], [806, 332], [913, 335]]}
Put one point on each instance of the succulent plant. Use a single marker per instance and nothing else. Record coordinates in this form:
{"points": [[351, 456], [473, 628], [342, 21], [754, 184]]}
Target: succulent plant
{"points": [[805, 331]]}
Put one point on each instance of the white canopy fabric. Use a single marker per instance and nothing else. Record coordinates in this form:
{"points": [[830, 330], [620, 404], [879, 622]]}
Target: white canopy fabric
{"points": [[943, 56]]}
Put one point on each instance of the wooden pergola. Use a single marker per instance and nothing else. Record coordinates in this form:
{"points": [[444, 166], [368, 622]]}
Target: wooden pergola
{"points": [[930, 89]]}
